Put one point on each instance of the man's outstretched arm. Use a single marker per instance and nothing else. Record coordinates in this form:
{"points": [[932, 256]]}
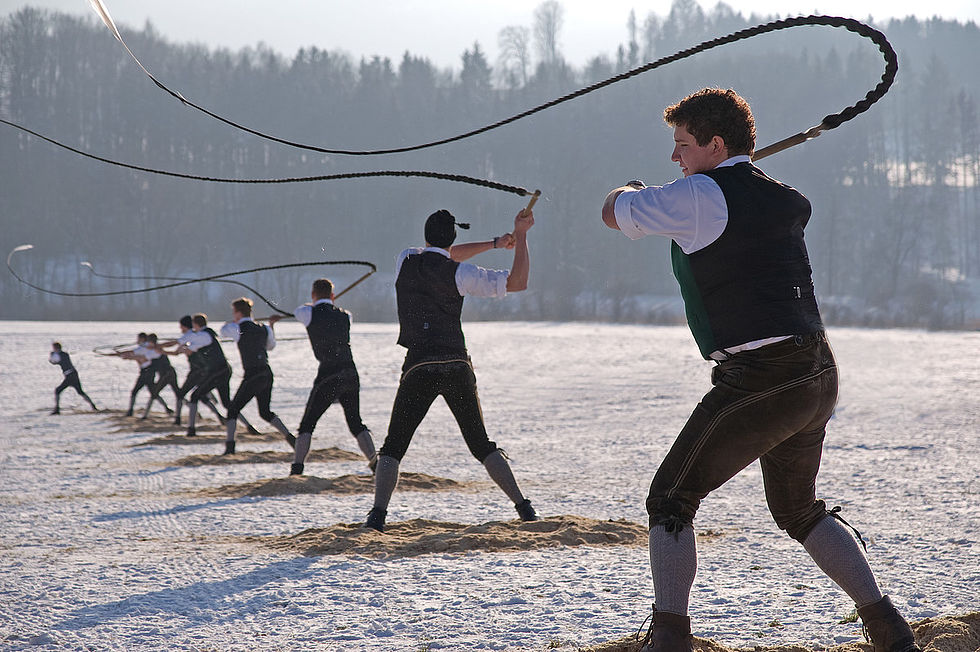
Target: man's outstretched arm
{"points": [[520, 270]]}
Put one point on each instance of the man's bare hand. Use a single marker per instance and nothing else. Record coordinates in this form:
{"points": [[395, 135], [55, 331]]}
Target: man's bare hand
{"points": [[506, 241], [273, 319], [523, 222]]}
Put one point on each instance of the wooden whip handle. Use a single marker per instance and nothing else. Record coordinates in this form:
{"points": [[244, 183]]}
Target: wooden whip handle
{"points": [[534, 198]]}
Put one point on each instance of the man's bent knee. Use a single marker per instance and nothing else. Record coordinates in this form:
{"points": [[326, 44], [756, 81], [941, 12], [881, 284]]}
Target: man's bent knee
{"points": [[799, 525]]}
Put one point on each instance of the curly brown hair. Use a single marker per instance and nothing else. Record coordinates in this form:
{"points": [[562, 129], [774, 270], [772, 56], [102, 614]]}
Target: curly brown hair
{"points": [[714, 112]]}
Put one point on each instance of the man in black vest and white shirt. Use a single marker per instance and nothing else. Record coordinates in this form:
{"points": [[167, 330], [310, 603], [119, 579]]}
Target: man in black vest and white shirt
{"points": [[430, 285], [70, 377], [336, 380], [254, 342], [740, 259]]}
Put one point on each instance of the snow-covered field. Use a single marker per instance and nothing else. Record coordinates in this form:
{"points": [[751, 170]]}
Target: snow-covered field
{"points": [[100, 550]]}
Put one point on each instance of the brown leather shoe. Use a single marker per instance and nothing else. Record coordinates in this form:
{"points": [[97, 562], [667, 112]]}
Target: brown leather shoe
{"points": [[668, 633], [885, 628]]}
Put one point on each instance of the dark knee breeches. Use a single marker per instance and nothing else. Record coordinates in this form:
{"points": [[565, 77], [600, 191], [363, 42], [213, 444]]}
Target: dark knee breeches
{"points": [[216, 379], [456, 383], [257, 384], [71, 380], [343, 386], [770, 404], [195, 377]]}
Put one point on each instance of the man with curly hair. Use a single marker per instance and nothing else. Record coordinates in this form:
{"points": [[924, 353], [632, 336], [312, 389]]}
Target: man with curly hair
{"points": [[739, 256]]}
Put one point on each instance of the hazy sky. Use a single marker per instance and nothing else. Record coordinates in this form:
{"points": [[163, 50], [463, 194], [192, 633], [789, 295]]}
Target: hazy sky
{"points": [[442, 29]]}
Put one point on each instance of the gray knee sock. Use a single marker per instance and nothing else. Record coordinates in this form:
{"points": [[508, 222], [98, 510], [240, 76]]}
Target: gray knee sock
{"points": [[303, 441], [674, 563], [230, 429], [839, 557], [365, 443], [281, 427], [385, 481], [499, 471], [191, 415]]}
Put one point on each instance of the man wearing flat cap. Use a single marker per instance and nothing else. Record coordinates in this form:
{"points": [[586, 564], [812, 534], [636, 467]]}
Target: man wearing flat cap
{"points": [[430, 285]]}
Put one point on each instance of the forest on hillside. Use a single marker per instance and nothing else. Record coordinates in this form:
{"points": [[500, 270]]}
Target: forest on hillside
{"points": [[894, 238]]}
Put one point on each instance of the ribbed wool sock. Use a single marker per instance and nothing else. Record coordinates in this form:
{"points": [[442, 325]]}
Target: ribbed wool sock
{"points": [[281, 427], [385, 481], [191, 416], [303, 441], [365, 443], [674, 564], [839, 557], [499, 471]]}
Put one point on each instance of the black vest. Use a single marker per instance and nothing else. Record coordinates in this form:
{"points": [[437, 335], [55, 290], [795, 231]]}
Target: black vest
{"points": [[213, 354], [161, 364], [329, 332], [251, 345], [429, 306], [754, 281], [64, 361]]}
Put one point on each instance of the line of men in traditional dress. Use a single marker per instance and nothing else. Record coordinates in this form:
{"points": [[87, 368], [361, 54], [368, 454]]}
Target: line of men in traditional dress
{"points": [[739, 255]]}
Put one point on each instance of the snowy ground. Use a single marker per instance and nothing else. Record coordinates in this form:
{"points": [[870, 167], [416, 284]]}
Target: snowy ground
{"points": [[100, 550]]}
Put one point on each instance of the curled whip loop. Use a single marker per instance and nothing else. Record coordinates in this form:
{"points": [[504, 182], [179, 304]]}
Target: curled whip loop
{"points": [[269, 303], [203, 279], [829, 122]]}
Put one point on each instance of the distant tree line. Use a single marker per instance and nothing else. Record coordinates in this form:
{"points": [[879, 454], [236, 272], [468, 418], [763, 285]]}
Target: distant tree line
{"points": [[894, 238]]}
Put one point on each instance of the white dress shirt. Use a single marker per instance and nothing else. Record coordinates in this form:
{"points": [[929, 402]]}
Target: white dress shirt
{"points": [[231, 331], [304, 314], [471, 280]]}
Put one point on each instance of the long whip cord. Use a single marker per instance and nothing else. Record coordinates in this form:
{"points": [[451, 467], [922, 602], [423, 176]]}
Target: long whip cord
{"points": [[203, 279], [830, 121]]}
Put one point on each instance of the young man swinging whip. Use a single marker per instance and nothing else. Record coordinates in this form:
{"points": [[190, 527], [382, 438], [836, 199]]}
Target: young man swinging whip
{"points": [[430, 285], [741, 262]]}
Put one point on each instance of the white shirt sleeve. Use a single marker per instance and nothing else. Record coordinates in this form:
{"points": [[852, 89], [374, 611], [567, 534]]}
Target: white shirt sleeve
{"points": [[691, 211], [270, 342], [230, 330], [304, 314], [475, 281], [194, 340], [405, 254]]}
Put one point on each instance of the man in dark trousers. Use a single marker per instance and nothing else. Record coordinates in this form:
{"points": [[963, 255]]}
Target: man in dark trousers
{"points": [[70, 374], [336, 380], [430, 286], [164, 373], [143, 357], [208, 368], [254, 342], [741, 262]]}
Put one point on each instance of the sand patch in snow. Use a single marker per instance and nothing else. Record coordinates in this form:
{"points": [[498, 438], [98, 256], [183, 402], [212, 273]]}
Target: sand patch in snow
{"points": [[941, 634], [332, 454], [421, 537], [345, 485]]}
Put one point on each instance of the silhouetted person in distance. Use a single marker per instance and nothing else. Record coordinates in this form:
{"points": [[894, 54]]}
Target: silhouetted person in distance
{"points": [[430, 285], [62, 359], [328, 328], [739, 256]]}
